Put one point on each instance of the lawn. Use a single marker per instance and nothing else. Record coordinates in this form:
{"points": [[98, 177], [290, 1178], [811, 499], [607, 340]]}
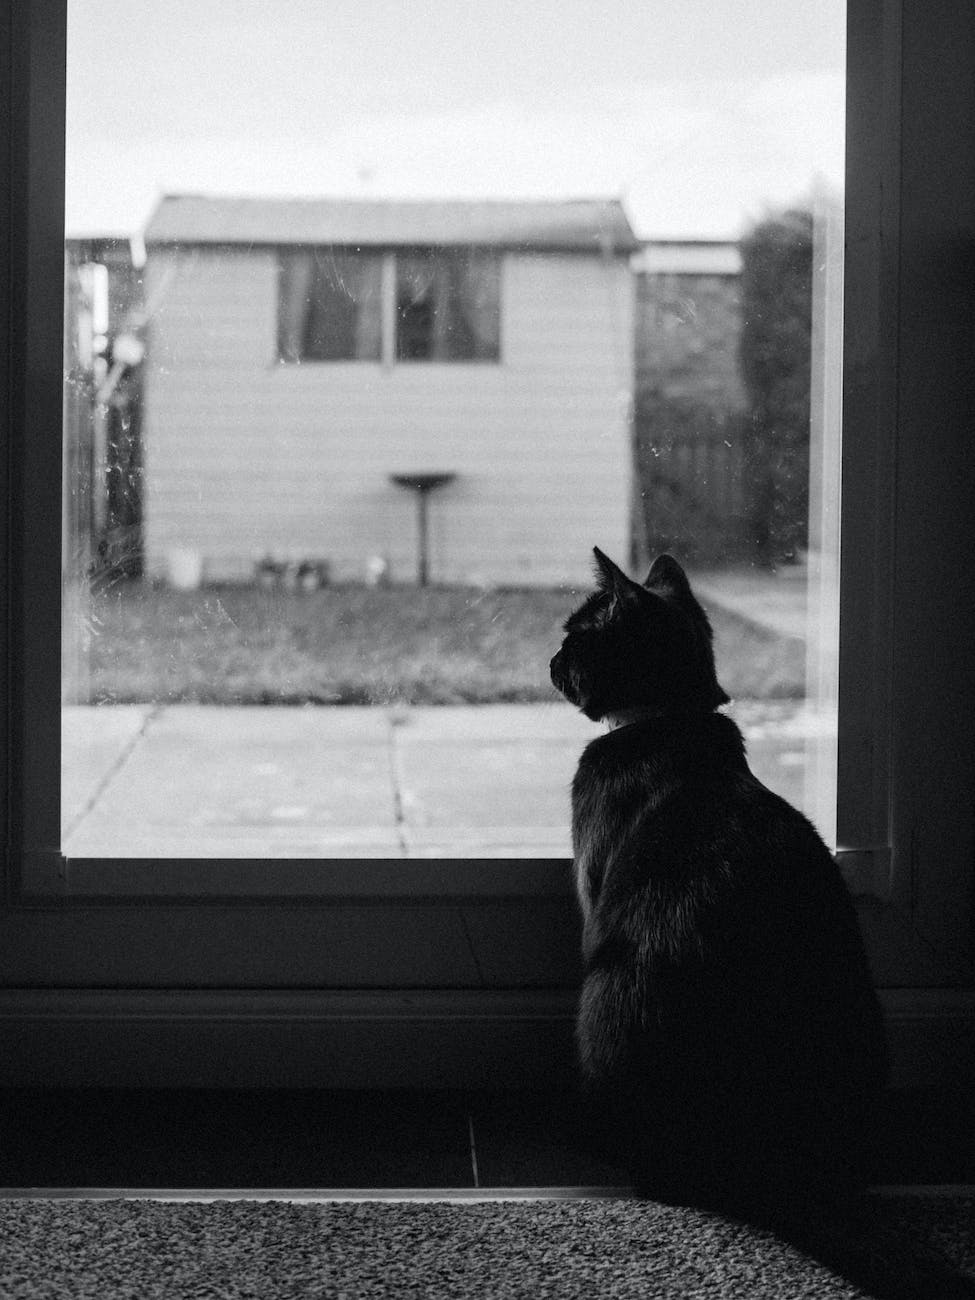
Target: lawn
{"points": [[358, 645]]}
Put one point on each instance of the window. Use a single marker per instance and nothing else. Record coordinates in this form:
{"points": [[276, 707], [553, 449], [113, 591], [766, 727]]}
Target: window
{"points": [[656, 395], [448, 306], [330, 305], [229, 961]]}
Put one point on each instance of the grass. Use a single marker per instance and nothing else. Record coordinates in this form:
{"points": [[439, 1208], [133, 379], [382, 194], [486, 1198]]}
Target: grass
{"points": [[357, 645]]}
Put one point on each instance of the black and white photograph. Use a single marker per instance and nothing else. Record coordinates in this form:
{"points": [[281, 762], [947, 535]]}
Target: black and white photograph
{"points": [[488, 608]]}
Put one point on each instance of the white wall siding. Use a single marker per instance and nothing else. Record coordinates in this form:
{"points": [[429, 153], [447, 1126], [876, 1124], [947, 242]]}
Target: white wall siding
{"points": [[246, 456]]}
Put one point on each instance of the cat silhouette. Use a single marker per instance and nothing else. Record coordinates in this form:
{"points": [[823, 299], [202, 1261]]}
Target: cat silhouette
{"points": [[730, 1041]]}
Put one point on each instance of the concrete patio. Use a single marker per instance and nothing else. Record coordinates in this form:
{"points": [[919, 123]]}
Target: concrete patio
{"points": [[489, 781]]}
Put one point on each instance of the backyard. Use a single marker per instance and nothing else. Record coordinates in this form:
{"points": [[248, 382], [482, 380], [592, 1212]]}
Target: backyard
{"points": [[237, 645], [452, 742]]}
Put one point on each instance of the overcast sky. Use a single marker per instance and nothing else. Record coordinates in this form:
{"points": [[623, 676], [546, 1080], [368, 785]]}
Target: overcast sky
{"points": [[698, 113]]}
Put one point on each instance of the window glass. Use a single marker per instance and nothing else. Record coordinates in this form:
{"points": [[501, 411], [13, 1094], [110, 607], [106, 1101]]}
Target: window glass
{"points": [[329, 306], [309, 608], [448, 306]]}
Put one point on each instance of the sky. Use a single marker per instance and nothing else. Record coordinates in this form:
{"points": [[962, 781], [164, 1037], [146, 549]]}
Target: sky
{"points": [[700, 114]]}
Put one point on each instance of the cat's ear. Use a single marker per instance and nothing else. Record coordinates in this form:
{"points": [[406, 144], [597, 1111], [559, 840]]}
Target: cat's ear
{"points": [[611, 577], [668, 578]]}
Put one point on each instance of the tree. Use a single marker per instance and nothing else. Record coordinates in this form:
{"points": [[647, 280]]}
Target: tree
{"points": [[775, 362]]}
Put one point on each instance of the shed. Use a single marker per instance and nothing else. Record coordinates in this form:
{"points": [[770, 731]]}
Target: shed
{"points": [[304, 352]]}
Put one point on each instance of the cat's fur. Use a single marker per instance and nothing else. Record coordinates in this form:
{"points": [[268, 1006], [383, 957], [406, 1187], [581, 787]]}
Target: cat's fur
{"points": [[729, 1036]]}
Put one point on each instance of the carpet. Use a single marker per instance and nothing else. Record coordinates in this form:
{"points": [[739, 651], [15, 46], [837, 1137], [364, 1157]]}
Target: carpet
{"points": [[617, 1248]]}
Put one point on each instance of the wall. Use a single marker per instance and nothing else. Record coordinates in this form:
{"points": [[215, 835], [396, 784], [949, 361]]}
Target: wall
{"points": [[245, 455]]}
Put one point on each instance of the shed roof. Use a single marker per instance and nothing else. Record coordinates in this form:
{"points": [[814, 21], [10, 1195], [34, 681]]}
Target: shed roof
{"points": [[583, 225]]}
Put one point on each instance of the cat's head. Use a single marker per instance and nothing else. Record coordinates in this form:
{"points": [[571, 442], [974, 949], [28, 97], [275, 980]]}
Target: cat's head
{"points": [[638, 647]]}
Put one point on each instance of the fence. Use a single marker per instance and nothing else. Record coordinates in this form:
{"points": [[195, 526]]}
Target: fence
{"points": [[690, 464]]}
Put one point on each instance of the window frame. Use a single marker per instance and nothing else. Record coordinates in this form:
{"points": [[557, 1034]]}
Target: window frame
{"points": [[488, 949]]}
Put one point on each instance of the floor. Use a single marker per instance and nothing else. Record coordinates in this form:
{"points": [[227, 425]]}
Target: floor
{"points": [[311, 1139]]}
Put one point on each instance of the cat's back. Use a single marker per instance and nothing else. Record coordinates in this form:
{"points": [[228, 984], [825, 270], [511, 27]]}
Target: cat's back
{"points": [[677, 779], [667, 809], [710, 902], [668, 767]]}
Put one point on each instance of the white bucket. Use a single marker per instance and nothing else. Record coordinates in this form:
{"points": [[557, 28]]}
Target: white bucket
{"points": [[184, 568]]}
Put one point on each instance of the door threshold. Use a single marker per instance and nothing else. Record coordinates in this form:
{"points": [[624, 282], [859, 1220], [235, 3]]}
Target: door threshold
{"points": [[330, 1195], [316, 1194]]}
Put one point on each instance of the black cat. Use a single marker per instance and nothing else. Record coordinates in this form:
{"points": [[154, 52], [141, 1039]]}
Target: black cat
{"points": [[729, 1038]]}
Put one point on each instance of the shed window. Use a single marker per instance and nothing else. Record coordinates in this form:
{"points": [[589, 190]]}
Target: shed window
{"points": [[448, 306], [330, 305]]}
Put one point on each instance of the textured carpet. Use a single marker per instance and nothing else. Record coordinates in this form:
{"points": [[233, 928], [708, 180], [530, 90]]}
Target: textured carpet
{"points": [[611, 1248]]}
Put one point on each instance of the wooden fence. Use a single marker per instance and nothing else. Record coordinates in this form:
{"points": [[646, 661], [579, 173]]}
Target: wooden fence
{"points": [[691, 482]]}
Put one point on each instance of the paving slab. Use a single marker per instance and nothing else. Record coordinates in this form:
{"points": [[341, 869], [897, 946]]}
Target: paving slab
{"points": [[481, 784], [774, 600], [206, 781], [91, 747], [489, 842], [472, 724]]}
